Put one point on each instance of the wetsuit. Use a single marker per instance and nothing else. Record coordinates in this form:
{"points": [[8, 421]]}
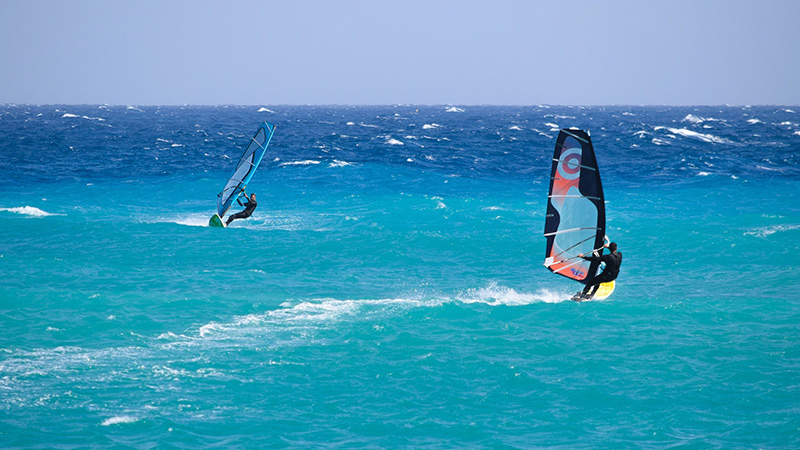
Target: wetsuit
{"points": [[610, 273], [249, 207]]}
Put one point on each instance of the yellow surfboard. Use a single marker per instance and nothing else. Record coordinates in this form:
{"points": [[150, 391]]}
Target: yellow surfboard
{"points": [[604, 291]]}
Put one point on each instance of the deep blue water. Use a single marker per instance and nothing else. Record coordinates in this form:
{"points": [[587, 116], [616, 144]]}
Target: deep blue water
{"points": [[389, 289]]}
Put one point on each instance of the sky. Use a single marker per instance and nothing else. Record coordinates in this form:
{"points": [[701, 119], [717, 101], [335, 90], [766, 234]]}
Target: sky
{"points": [[353, 52]]}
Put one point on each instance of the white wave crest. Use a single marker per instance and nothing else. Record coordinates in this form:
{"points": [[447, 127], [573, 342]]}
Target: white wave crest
{"points": [[29, 211], [331, 309], [693, 119], [515, 128], [658, 141], [298, 316], [394, 142], [314, 312], [337, 163], [495, 295], [693, 134], [754, 121], [191, 221], [119, 419], [431, 126], [308, 162], [453, 109], [766, 231], [262, 109], [70, 116]]}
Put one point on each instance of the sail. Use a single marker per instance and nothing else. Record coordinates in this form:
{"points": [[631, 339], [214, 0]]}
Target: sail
{"points": [[245, 168], [576, 216]]}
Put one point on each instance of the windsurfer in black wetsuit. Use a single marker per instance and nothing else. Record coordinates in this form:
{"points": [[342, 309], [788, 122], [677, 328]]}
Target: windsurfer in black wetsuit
{"points": [[249, 207], [613, 260]]}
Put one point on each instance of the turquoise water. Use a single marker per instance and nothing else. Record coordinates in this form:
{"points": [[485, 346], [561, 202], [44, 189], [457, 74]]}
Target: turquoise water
{"points": [[389, 289]]}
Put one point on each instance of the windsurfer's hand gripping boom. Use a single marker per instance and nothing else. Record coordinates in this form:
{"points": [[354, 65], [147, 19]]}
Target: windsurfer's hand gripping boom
{"points": [[581, 255], [549, 260], [241, 195]]}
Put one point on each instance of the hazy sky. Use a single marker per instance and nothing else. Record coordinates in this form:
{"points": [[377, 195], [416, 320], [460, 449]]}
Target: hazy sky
{"points": [[385, 52]]}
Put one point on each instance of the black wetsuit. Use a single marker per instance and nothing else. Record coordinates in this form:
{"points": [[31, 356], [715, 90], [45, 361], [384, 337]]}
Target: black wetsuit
{"points": [[249, 207], [610, 273]]}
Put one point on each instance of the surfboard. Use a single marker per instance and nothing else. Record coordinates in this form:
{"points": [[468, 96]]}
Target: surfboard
{"points": [[216, 222], [603, 292]]}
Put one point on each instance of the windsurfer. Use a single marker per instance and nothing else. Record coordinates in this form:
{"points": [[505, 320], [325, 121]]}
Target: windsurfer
{"points": [[613, 260], [249, 207]]}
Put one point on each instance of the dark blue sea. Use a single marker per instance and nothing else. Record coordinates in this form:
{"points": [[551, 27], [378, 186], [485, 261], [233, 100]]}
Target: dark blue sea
{"points": [[388, 291]]}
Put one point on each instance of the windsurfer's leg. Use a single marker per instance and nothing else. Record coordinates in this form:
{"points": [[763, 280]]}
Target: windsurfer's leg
{"points": [[234, 217], [589, 290], [239, 215]]}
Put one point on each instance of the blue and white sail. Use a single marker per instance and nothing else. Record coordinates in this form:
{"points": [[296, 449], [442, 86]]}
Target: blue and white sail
{"points": [[245, 168]]}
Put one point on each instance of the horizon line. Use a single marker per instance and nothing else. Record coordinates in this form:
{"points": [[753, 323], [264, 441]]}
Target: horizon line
{"points": [[728, 105]]}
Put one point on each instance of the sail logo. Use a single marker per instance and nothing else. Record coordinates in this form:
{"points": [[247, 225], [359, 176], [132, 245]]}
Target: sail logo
{"points": [[576, 272], [570, 167]]}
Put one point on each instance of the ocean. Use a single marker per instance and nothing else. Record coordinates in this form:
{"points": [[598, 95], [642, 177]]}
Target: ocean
{"points": [[389, 290]]}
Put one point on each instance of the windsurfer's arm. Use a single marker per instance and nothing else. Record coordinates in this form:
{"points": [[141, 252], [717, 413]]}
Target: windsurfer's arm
{"points": [[239, 198]]}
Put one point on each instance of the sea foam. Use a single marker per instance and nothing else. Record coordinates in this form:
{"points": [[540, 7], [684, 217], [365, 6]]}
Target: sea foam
{"points": [[337, 163], [693, 134], [29, 211], [71, 116], [118, 420], [307, 162], [767, 231], [496, 295]]}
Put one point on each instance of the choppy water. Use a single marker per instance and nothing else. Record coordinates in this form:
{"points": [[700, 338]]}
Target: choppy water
{"points": [[388, 291]]}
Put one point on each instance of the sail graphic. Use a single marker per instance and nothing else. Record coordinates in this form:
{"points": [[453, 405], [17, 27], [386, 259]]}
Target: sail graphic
{"points": [[576, 217], [245, 168]]}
